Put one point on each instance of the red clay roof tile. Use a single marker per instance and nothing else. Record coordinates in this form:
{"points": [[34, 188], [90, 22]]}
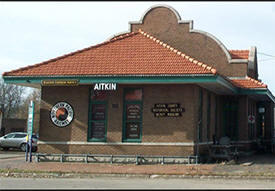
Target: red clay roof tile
{"points": [[130, 54], [239, 54], [248, 83]]}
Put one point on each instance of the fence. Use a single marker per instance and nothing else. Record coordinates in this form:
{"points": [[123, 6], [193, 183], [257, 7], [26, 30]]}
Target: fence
{"points": [[96, 158]]}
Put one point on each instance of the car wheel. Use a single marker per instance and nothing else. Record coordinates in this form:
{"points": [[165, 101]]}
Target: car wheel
{"points": [[23, 147], [34, 149]]}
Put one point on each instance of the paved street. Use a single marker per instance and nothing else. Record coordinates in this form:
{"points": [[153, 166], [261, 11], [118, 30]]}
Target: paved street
{"points": [[133, 183], [262, 165]]}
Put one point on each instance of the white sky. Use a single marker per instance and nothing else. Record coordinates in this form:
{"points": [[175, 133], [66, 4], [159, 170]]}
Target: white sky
{"points": [[32, 32]]}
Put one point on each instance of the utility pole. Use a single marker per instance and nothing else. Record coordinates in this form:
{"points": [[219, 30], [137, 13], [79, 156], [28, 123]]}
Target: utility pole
{"points": [[1, 116]]}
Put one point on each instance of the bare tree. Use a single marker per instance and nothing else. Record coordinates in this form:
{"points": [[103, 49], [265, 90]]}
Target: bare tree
{"points": [[11, 98], [33, 95]]}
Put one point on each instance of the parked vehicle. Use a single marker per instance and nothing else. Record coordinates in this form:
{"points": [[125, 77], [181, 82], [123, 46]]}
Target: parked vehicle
{"points": [[17, 140]]}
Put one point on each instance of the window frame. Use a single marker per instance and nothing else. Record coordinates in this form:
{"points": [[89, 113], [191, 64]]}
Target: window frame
{"points": [[124, 120], [90, 120]]}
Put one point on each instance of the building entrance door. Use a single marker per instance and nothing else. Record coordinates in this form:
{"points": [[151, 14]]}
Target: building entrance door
{"points": [[132, 115]]}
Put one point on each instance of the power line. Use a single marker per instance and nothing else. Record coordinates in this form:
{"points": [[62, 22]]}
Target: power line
{"points": [[266, 54], [266, 59]]}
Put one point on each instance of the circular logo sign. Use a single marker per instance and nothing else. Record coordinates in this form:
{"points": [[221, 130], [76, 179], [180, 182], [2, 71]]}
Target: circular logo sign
{"points": [[62, 114]]}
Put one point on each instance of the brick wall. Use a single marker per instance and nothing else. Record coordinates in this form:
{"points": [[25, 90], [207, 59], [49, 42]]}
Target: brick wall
{"points": [[194, 44], [117, 149], [77, 97], [154, 130]]}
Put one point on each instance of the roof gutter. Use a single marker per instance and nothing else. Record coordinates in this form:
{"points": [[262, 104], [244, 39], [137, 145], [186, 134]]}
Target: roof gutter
{"points": [[123, 79], [227, 84]]}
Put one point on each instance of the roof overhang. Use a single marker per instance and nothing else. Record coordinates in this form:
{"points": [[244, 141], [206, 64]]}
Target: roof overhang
{"points": [[259, 94], [214, 83]]}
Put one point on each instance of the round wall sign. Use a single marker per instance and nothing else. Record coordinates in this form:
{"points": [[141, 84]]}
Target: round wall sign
{"points": [[62, 114]]}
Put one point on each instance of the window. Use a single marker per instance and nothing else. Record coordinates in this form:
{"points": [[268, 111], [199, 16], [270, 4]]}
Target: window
{"points": [[97, 116], [132, 115], [20, 135], [9, 136]]}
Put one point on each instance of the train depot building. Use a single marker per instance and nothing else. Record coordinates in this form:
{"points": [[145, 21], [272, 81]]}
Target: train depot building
{"points": [[162, 88]]}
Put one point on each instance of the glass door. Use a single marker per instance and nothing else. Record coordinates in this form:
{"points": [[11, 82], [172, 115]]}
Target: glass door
{"points": [[98, 116], [132, 115]]}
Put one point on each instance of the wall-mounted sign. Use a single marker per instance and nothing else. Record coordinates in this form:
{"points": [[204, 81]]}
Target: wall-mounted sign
{"points": [[62, 114], [167, 110], [105, 86], [60, 82]]}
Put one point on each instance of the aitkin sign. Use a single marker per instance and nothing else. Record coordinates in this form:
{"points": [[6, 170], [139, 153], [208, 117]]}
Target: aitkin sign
{"points": [[105, 86]]}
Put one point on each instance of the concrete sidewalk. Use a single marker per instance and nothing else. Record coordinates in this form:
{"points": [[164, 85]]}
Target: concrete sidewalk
{"points": [[12, 154]]}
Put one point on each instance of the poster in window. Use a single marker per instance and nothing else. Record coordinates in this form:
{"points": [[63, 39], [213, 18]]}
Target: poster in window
{"points": [[98, 111], [133, 111], [98, 95], [133, 95], [98, 130], [132, 130]]}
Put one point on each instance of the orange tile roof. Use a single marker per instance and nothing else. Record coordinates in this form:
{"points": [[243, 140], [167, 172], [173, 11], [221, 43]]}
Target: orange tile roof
{"points": [[248, 83], [136, 53], [239, 54]]}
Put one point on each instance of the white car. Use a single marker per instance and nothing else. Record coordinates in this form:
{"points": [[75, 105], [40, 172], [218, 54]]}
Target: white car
{"points": [[17, 140]]}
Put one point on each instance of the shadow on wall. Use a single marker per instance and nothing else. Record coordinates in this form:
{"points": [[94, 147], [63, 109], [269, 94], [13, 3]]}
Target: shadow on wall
{"points": [[53, 149]]}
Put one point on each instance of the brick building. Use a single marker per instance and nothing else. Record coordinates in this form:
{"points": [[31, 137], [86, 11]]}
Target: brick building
{"points": [[162, 88]]}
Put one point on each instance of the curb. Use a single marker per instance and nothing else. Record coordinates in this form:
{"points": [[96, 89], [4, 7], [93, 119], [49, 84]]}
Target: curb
{"points": [[10, 157], [146, 176]]}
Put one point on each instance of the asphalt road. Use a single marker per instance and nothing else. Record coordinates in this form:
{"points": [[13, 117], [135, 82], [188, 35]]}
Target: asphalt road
{"points": [[133, 183]]}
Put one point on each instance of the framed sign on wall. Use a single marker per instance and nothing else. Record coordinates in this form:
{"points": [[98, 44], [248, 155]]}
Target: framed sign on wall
{"points": [[62, 114]]}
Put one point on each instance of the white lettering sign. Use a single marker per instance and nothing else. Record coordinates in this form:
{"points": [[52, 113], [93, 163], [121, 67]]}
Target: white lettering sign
{"points": [[30, 118], [105, 86]]}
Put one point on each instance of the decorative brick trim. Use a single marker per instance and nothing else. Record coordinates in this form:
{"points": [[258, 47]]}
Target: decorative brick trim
{"points": [[191, 30]]}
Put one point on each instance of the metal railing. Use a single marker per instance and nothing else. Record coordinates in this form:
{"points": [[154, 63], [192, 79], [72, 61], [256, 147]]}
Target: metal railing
{"points": [[102, 158]]}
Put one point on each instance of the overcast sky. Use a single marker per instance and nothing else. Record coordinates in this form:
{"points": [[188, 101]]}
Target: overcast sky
{"points": [[32, 32]]}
